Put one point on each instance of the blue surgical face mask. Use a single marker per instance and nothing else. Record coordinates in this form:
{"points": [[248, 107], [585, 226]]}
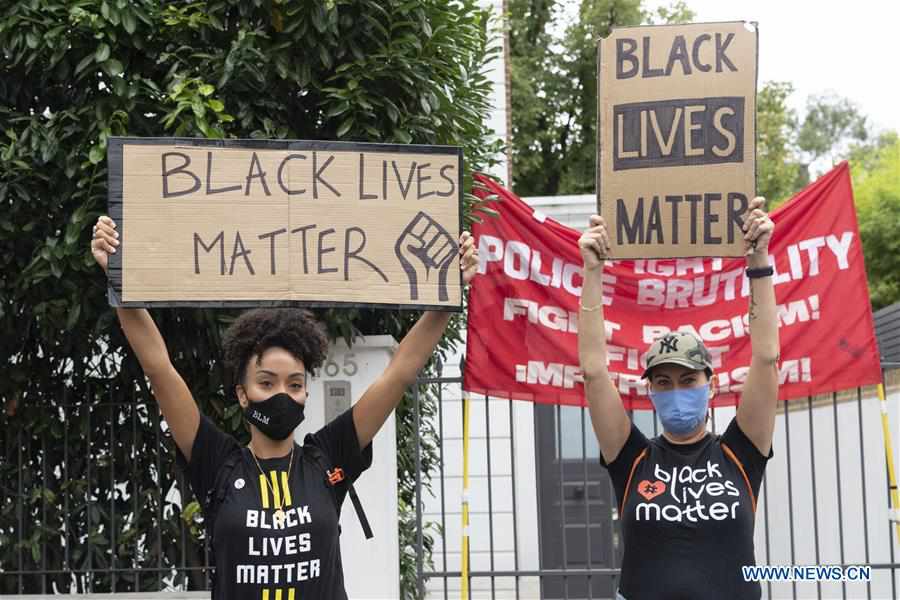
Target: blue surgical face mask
{"points": [[681, 411]]}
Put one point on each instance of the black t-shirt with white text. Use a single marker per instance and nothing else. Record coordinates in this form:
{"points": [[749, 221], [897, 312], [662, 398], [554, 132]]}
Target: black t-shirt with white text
{"points": [[688, 515], [255, 558]]}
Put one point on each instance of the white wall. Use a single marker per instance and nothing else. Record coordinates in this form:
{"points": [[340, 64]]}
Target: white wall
{"points": [[485, 493], [855, 478], [572, 211], [364, 577]]}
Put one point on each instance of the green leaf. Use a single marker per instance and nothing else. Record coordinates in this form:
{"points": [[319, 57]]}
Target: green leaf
{"points": [[190, 511], [345, 127], [393, 113], [206, 89], [102, 53], [74, 313], [113, 67], [319, 18], [325, 56], [128, 21], [114, 15], [120, 86], [32, 39], [203, 126], [338, 109], [82, 65], [215, 105], [96, 155]]}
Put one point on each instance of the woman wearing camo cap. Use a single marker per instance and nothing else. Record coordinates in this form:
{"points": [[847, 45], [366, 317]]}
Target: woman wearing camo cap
{"points": [[686, 498]]}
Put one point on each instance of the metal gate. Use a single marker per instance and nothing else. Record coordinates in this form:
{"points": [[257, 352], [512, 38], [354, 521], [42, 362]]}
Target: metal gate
{"points": [[543, 518], [825, 499]]}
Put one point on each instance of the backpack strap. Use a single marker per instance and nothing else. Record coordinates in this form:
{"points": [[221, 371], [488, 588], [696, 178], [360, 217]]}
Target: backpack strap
{"points": [[334, 477], [730, 454], [634, 465], [214, 497]]}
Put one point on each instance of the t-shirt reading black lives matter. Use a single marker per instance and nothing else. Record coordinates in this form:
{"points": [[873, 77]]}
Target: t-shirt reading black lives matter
{"points": [[688, 516], [256, 559]]}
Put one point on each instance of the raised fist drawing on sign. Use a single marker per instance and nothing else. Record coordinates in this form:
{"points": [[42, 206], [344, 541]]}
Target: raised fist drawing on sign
{"points": [[426, 250]]}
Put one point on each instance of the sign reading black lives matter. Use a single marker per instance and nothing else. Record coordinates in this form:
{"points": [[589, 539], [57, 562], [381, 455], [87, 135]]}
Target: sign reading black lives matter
{"points": [[677, 138], [272, 223]]}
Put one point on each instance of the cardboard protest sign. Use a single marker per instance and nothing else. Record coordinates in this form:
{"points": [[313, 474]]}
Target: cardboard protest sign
{"points": [[676, 138], [271, 223]]}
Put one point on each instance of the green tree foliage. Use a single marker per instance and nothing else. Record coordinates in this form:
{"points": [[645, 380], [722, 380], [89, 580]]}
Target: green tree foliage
{"points": [[834, 129], [77, 410], [876, 189], [865, 156], [553, 61], [830, 125], [778, 171]]}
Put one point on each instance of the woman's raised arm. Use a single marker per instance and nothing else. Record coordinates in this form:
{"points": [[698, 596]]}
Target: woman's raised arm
{"points": [[608, 417], [385, 393], [756, 412], [172, 394]]}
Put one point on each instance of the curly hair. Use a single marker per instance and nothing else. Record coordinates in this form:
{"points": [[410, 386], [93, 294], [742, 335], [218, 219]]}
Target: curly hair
{"points": [[255, 331]]}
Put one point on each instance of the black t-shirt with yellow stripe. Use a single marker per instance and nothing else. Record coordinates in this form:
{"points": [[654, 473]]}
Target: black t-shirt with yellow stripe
{"points": [[256, 557], [687, 513]]}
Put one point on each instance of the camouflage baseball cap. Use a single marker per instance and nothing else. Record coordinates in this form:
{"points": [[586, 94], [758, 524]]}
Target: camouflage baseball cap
{"points": [[679, 348]]}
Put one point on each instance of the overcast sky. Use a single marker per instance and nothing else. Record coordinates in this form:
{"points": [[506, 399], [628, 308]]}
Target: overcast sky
{"points": [[850, 48]]}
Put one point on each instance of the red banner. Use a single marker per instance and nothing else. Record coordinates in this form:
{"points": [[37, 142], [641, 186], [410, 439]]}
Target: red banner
{"points": [[523, 306]]}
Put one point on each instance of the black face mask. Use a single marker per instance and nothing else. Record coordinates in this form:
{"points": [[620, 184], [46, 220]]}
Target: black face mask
{"points": [[276, 417]]}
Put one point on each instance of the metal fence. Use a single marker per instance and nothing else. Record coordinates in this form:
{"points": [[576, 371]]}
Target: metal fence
{"points": [[824, 501], [92, 501]]}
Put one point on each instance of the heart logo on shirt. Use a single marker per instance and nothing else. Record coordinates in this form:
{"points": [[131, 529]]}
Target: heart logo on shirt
{"points": [[651, 489]]}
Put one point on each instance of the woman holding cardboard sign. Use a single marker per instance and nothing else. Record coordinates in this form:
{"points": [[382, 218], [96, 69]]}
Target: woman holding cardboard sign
{"points": [[272, 508], [687, 498]]}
